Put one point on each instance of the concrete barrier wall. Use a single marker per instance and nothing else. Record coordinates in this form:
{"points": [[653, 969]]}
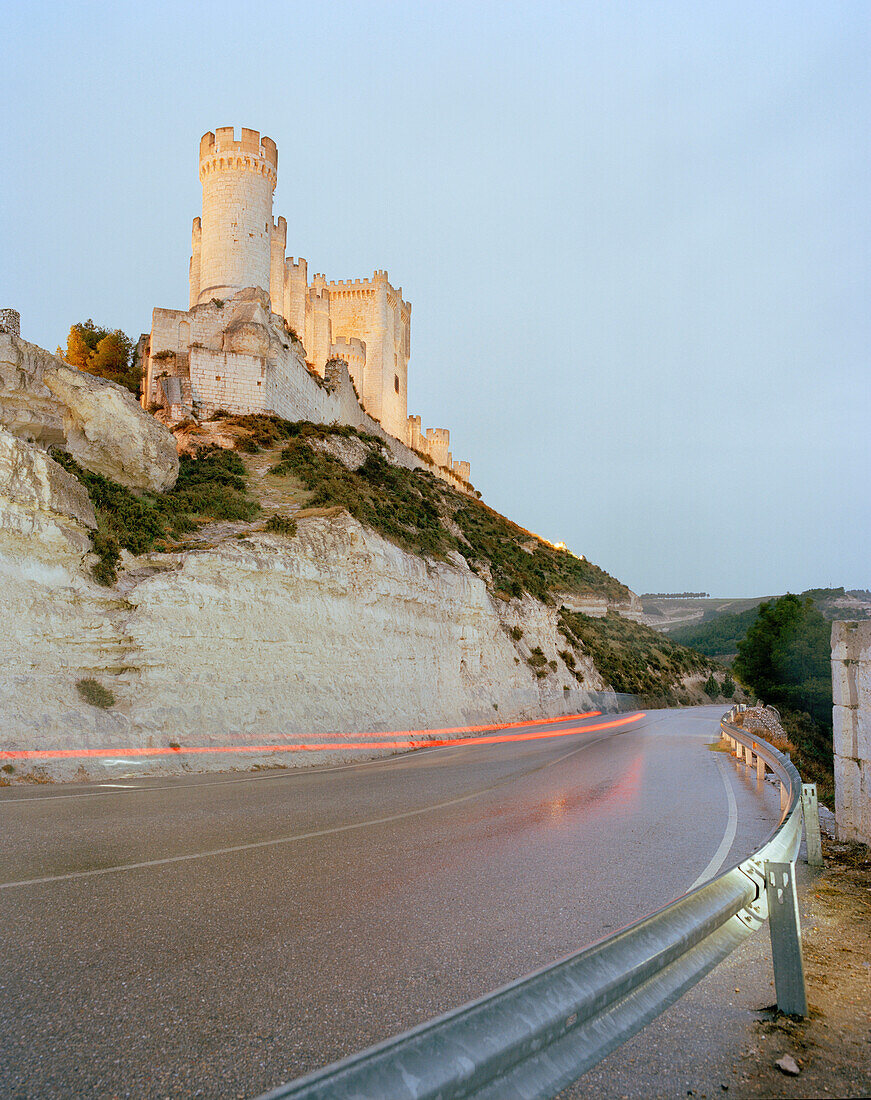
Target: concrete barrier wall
{"points": [[851, 689]]}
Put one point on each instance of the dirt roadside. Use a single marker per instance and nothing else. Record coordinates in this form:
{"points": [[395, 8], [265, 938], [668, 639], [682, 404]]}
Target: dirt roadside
{"points": [[832, 1046]]}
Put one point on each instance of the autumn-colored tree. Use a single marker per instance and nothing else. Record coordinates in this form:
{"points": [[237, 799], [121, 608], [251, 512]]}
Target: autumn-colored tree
{"points": [[107, 353]]}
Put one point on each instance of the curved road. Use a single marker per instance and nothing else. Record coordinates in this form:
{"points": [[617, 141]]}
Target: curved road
{"points": [[219, 934]]}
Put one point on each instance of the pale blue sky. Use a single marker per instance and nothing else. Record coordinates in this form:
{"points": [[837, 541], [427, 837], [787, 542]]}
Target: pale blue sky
{"points": [[635, 237]]}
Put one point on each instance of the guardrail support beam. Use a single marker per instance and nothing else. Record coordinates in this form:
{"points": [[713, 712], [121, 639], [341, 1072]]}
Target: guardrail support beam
{"points": [[785, 928], [811, 812]]}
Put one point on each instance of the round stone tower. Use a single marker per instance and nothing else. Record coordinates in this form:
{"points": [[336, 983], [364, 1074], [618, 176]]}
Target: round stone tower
{"points": [[231, 243]]}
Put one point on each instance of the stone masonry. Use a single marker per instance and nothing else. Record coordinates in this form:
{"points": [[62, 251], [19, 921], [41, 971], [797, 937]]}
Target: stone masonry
{"points": [[851, 690], [236, 247], [10, 322]]}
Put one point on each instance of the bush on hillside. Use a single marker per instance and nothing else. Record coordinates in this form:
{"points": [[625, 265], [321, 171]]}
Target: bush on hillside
{"points": [[632, 657], [210, 486]]}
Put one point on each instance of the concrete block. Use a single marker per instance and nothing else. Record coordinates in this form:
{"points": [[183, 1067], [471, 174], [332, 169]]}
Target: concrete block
{"points": [[846, 722], [848, 795], [845, 691], [850, 639], [863, 734], [861, 676], [864, 824]]}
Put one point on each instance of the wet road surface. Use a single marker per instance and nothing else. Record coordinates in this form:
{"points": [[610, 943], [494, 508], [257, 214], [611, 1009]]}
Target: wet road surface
{"points": [[217, 935]]}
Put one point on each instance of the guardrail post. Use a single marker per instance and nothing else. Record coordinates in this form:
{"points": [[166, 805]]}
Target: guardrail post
{"points": [[785, 926], [760, 765], [811, 812]]}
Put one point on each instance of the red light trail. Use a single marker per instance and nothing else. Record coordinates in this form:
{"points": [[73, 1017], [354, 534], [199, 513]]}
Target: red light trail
{"points": [[410, 740]]}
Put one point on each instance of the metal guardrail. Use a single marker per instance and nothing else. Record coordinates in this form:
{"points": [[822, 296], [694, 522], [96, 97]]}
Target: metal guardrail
{"points": [[535, 1036]]}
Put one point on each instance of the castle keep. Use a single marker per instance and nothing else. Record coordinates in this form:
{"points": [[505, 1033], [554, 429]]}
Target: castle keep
{"points": [[260, 337]]}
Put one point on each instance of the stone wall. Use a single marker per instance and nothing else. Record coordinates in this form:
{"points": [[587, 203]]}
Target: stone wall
{"points": [[851, 691], [238, 356], [10, 321]]}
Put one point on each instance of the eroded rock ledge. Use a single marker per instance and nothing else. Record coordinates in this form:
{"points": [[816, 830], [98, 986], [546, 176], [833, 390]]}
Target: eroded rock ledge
{"points": [[102, 425]]}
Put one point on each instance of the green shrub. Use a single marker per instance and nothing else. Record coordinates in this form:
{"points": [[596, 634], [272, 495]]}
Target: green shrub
{"points": [[412, 507], [94, 693], [516, 633], [536, 658], [210, 486], [281, 525]]}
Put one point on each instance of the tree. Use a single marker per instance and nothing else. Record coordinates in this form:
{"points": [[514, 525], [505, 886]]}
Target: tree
{"points": [[108, 353], [712, 688], [728, 688], [785, 658]]}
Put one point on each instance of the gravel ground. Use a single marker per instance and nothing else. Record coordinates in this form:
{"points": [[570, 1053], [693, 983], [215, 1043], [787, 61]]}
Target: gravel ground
{"points": [[832, 1047]]}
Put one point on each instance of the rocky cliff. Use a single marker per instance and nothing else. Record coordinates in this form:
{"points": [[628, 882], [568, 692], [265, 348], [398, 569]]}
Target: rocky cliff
{"points": [[253, 641], [340, 594]]}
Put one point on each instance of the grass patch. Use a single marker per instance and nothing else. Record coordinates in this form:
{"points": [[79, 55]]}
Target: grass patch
{"points": [[632, 657], [211, 486], [94, 693], [536, 658]]}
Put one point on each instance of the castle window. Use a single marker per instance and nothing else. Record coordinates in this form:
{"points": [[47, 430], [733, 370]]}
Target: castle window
{"points": [[396, 382]]}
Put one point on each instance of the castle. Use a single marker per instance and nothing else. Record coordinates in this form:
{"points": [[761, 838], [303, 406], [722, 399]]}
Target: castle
{"points": [[259, 337]]}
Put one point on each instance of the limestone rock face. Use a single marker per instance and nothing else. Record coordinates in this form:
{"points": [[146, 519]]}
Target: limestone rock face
{"points": [[45, 513], [264, 640], [98, 422], [28, 477]]}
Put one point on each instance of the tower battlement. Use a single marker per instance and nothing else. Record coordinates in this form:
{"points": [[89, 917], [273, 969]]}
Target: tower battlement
{"points": [[223, 140], [220, 152], [349, 343]]}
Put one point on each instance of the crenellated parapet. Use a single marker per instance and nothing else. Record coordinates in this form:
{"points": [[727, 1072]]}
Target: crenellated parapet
{"points": [[345, 347], [220, 152]]}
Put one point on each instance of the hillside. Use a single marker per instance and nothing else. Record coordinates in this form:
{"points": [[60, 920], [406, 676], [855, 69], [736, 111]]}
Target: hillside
{"points": [[718, 635], [670, 613], [297, 580]]}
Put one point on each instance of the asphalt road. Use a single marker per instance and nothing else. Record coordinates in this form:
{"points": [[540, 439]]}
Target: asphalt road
{"points": [[217, 935]]}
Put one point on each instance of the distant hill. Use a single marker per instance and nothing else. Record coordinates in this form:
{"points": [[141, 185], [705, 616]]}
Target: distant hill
{"points": [[667, 613], [718, 635]]}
